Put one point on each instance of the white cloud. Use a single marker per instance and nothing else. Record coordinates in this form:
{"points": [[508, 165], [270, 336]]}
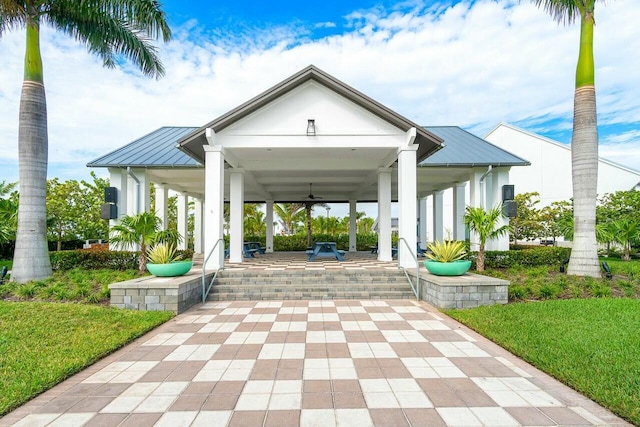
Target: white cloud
{"points": [[472, 65]]}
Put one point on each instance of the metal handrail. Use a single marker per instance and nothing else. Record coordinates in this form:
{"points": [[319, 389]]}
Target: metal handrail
{"points": [[416, 289], [204, 264]]}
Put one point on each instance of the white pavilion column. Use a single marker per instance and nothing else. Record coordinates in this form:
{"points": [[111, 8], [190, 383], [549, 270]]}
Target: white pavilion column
{"points": [[438, 216], [118, 178], [422, 222], [214, 205], [475, 200], [162, 196], [384, 214], [500, 178], [131, 196], [197, 226], [353, 226], [269, 224], [407, 217], [183, 213], [458, 211], [143, 194], [236, 211]]}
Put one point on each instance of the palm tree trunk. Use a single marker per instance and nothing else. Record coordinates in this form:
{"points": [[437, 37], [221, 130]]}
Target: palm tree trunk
{"points": [[31, 256], [480, 262], [584, 159], [309, 234]]}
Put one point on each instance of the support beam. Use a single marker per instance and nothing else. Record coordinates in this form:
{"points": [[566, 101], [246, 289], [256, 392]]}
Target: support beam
{"points": [[438, 216], [475, 200], [197, 226], [214, 203], [384, 214], [162, 198], [119, 179], [353, 226], [183, 214], [500, 178], [269, 224], [458, 211], [407, 217], [422, 222], [236, 211]]}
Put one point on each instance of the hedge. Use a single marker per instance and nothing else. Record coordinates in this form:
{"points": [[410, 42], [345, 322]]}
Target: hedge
{"points": [[298, 242], [523, 257], [90, 260]]}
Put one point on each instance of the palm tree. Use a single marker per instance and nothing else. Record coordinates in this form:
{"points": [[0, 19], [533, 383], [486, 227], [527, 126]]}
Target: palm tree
{"points": [[584, 142], [484, 224], [111, 29], [626, 232], [142, 230], [290, 214]]}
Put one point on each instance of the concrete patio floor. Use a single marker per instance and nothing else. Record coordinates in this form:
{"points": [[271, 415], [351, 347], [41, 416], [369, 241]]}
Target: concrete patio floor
{"points": [[311, 363]]}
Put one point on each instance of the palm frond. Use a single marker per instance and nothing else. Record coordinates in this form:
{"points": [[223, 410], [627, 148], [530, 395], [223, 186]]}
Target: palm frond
{"points": [[113, 28]]}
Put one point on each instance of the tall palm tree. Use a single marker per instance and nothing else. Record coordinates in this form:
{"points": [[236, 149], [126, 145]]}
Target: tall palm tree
{"points": [[484, 224], [584, 142], [111, 29]]}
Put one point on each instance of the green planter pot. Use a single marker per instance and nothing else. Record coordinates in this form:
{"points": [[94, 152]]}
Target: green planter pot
{"points": [[170, 270], [455, 268]]}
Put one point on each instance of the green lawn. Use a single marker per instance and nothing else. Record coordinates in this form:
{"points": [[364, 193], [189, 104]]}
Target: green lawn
{"points": [[592, 345], [41, 344]]}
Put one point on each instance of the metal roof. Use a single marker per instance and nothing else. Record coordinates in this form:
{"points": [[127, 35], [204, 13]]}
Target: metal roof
{"points": [[157, 149], [464, 149]]}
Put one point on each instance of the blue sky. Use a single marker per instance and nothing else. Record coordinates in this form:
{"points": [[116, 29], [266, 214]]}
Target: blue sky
{"points": [[472, 63]]}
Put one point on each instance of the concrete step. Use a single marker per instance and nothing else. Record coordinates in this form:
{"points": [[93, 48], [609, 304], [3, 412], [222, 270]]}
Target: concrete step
{"points": [[309, 285], [238, 296]]}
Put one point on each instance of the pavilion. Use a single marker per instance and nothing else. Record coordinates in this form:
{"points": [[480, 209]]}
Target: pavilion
{"points": [[310, 131]]}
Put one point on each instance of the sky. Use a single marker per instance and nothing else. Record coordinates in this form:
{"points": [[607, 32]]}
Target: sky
{"points": [[473, 64]]}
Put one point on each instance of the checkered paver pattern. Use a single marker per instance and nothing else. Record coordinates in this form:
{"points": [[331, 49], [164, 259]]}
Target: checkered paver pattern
{"points": [[299, 261], [311, 363]]}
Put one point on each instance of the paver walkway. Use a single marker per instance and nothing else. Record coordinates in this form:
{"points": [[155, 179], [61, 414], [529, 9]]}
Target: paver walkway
{"points": [[311, 363]]}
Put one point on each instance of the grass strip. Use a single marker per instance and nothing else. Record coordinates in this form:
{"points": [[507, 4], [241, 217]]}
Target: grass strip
{"points": [[42, 344], [591, 345]]}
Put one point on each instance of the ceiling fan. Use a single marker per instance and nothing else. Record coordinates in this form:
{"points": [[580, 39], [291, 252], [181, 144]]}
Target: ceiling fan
{"points": [[310, 196]]}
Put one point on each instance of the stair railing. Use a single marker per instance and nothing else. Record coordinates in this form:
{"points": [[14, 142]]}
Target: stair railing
{"points": [[416, 288], [205, 293]]}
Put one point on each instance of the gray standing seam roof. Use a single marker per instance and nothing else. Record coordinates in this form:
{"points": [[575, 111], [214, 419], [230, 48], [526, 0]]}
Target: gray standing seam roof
{"points": [[154, 150], [464, 149], [159, 149]]}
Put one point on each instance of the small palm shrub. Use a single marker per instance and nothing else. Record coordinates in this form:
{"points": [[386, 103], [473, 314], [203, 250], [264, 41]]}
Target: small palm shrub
{"points": [[162, 253], [446, 251]]}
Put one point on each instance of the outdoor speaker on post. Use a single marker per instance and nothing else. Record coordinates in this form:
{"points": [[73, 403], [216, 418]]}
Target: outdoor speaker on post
{"points": [[110, 195], [108, 211], [508, 192], [509, 208]]}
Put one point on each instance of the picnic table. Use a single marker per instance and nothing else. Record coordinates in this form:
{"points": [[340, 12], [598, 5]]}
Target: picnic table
{"points": [[255, 245], [325, 249]]}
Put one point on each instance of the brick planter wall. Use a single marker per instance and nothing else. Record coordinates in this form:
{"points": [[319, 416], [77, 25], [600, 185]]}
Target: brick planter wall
{"points": [[175, 294], [466, 291]]}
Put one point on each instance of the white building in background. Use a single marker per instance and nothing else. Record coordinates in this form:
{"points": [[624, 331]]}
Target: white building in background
{"points": [[550, 170], [549, 173]]}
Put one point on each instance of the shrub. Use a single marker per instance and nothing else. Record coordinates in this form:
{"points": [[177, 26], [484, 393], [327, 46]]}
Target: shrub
{"points": [[92, 260], [539, 256]]}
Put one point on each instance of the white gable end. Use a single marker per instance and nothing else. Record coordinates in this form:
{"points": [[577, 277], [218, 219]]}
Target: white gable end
{"points": [[333, 115]]}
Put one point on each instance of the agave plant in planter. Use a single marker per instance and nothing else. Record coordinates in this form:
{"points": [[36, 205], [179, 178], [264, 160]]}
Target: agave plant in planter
{"points": [[163, 262], [445, 258]]}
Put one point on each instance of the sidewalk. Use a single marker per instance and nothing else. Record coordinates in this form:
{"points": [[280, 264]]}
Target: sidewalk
{"points": [[311, 363]]}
